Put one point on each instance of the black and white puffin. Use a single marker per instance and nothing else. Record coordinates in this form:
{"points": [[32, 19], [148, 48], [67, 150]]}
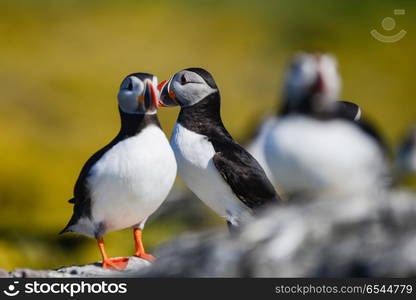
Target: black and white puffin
{"points": [[314, 147], [214, 166], [344, 109], [122, 184], [405, 166]]}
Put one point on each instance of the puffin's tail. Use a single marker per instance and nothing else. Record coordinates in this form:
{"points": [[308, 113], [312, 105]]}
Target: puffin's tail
{"points": [[71, 222], [66, 229]]}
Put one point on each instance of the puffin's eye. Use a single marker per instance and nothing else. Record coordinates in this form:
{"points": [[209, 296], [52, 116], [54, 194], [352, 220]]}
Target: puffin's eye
{"points": [[183, 80], [130, 85]]}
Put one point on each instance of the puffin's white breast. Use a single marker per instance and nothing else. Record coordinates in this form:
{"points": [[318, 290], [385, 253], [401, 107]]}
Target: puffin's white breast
{"points": [[194, 155], [132, 179], [309, 155]]}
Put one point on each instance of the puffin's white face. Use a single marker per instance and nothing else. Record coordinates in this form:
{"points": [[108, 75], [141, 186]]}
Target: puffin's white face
{"points": [[138, 94], [312, 75], [185, 88]]}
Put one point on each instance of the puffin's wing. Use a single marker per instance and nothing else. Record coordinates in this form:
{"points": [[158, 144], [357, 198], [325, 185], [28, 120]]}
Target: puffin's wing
{"points": [[351, 111], [244, 175], [82, 199], [81, 192], [370, 129], [348, 110]]}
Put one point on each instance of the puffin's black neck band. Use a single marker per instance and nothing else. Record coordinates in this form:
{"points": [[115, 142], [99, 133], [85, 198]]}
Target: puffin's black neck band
{"points": [[132, 124], [203, 115]]}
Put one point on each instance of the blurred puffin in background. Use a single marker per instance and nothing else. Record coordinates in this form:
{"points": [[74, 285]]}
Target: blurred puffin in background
{"points": [[317, 145], [344, 109], [210, 162], [122, 184], [405, 164]]}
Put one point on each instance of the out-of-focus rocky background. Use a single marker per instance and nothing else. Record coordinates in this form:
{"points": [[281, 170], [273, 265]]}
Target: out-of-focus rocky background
{"points": [[362, 235]]}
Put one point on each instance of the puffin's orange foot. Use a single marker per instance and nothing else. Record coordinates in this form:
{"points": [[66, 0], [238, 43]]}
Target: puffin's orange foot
{"points": [[145, 256], [118, 263]]}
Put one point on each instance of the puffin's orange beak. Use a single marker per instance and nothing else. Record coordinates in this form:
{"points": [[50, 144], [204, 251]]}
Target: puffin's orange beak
{"points": [[150, 96], [167, 96], [161, 85], [159, 88]]}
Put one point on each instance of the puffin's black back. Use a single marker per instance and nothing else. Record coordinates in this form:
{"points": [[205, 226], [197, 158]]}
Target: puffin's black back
{"points": [[347, 110], [370, 129]]}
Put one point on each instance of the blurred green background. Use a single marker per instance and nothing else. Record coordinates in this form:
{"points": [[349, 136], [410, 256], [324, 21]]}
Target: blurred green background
{"points": [[61, 63]]}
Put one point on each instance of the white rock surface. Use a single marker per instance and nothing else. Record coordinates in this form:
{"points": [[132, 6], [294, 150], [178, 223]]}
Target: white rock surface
{"points": [[359, 236], [372, 236], [91, 270]]}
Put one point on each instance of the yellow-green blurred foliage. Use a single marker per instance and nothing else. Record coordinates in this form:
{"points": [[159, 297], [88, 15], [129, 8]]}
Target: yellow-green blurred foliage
{"points": [[61, 63]]}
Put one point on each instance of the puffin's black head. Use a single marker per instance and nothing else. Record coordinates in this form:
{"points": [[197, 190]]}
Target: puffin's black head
{"points": [[187, 88], [138, 94], [312, 82]]}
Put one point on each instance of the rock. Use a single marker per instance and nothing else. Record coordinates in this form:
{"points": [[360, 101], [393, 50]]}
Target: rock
{"points": [[360, 235], [91, 270], [4, 274], [347, 237]]}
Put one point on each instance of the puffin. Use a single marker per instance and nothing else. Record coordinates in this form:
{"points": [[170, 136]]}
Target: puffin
{"points": [[405, 165], [210, 162], [255, 142], [124, 182], [319, 146]]}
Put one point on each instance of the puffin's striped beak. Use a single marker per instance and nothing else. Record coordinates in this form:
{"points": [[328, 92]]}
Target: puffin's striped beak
{"points": [[150, 97], [159, 88], [167, 96], [319, 84]]}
